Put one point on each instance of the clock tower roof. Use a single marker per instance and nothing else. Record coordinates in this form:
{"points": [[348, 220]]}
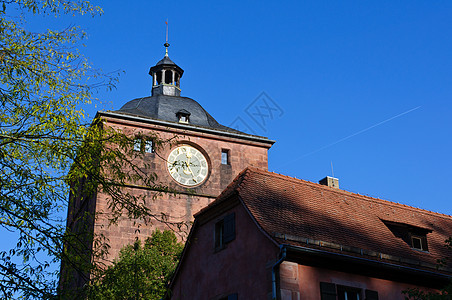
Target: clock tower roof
{"points": [[165, 103], [169, 108]]}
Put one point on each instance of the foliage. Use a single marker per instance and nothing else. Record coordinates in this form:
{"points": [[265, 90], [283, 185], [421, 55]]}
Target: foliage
{"points": [[47, 149], [416, 294], [141, 272], [42, 85]]}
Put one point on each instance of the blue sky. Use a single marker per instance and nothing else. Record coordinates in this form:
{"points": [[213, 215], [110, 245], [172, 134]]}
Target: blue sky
{"points": [[365, 86]]}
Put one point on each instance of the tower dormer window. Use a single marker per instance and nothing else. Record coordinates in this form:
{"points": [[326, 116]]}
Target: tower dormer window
{"points": [[183, 116], [183, 119]]}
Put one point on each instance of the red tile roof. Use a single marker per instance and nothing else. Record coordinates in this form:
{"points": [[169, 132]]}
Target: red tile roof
{"points": [[292, 210]]}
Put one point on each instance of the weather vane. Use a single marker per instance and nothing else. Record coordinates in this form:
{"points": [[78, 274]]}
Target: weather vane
{"points": [[166, 43]]}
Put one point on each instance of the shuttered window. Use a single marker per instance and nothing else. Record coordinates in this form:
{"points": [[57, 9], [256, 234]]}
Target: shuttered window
{"points": [[327, 291], [230, 297], [224, 231], [229, 228], [371, 295]]}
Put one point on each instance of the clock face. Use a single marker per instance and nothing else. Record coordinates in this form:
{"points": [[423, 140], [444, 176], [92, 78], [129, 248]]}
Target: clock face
{"points": [[187, 165]]}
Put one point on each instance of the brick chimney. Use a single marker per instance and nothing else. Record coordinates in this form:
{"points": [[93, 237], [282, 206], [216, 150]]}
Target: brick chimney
{"points": [[330, 181]]}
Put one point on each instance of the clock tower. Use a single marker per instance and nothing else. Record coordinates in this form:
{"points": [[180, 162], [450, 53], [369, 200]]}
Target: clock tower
{"points": [[201, 160]]}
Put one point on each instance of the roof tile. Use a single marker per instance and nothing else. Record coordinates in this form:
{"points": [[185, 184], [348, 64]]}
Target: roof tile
{"points": [[299, 208]]}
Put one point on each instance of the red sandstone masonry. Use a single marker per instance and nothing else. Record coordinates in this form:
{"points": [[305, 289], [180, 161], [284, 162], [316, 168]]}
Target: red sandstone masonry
{"points": [[182, 207]]}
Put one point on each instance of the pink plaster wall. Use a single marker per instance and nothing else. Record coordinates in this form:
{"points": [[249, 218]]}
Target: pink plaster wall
{"points": [[303, 282], [243, 267]]}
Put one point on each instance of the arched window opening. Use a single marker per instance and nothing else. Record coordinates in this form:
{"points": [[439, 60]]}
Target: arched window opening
{"points": [[159, 77], [168, 76]]}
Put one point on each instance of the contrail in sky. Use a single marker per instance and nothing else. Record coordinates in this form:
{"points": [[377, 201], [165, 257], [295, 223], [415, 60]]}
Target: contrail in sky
{"points": [[354, 134]]}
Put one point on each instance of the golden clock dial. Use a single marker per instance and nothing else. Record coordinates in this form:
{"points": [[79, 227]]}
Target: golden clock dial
{"points": [[187, 165]]}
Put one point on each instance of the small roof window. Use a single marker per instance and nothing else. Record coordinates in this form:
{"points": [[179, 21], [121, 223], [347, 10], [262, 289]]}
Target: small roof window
{"points": [[415, 237], [183, 116], [417, 242]]}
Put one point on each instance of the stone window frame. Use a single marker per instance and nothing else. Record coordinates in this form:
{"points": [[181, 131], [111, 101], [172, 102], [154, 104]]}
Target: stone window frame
{"points": [[225, 156], [143, 145]]}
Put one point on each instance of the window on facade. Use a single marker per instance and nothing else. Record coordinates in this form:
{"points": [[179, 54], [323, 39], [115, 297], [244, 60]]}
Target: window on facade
{"points": [[225, 157], [148, 146], [137, 145], [230, 297], [143, 145], [219, 234], [327, 291], [419, 242], [183, 116], [371, 295], [224, 231], [415, 237], [331, 291], [183, 119], [348, 293]]}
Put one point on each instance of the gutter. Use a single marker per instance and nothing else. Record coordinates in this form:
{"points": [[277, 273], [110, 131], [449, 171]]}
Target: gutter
{"points": [[282, 252], [369, 262]]}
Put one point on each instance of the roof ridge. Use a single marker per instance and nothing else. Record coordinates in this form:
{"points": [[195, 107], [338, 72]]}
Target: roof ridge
{"points": [[140, 100], [236, 182], [234, 186], [353, 194]]}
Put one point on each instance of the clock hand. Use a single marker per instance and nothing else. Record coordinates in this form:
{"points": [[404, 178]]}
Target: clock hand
{"points": [[187, 164], [189, 168]]}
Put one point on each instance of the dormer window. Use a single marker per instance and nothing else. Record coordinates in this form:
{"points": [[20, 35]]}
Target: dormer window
{"points": [[183, 116], [419, 242], [183, 119], [415, 237]]}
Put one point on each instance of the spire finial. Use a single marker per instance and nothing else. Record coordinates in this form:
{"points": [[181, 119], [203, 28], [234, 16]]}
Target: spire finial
{"points": [[166, 43]]}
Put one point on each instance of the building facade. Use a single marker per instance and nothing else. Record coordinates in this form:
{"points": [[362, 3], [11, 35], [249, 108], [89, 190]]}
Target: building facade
{"points": [[198, 160], [269, 236]]}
